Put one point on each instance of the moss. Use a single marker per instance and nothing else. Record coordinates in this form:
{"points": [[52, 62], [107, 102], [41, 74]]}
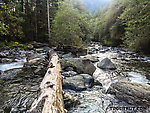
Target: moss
{"points": [[29, 46], [66, 63], [11, 44]]}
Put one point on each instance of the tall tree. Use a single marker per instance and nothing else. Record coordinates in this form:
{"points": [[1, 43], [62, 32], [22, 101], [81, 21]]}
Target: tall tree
{"points": [[48, 18]]}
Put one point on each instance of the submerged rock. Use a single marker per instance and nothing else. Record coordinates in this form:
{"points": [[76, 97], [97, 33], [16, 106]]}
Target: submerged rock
{"points": [[132, 93], [106, 64]]}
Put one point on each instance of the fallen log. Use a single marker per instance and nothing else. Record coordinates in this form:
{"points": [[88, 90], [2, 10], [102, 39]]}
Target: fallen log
{"points": [[50, 99]]}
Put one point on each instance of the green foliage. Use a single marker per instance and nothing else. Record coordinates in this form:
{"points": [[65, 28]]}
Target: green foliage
{"points": [[11, 44], [137, 20], [3, 28], [124, 21], [109, 29], [10, 28], [70, 26]]}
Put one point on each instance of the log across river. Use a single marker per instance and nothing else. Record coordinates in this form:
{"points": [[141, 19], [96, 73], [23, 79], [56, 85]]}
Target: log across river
{"points": [[50, 89]]}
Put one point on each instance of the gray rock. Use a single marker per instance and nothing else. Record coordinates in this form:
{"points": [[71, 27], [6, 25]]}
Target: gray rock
{"points": [[88, 80], [80, 65], [91, 50], [4, 54], [132, 93], [69, 55], [106, 64], [6, 60], [78, 82], [69, 74], [91, 58], [69, 69], [70, 101], [74, 83], [35, 60], [40, 70], [1, 72]]}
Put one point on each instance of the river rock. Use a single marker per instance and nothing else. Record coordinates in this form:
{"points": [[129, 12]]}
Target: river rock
{"points": [[38, 44], [4, 54], [70, 101], [43, 49], [6, 60], [69, 55], [91, 50], [78, 82], [132, 93], [106, 64], [88, 80], [91, 58], [79, 65], [75, 83], [41, 70], [69, 74], [36, 59]]}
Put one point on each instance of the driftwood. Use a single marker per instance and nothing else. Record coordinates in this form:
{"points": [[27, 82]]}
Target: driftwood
{"points": [[50, 99]]}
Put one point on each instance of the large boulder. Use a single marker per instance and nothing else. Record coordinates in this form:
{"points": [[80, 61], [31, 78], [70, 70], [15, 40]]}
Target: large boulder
{"points": [[80, 65], [78, 82], [75, 83], [132, 93], [106, 64]]}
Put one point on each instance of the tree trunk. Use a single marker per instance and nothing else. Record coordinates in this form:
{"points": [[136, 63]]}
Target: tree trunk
{"points": [[48, 18], [50, 99]]}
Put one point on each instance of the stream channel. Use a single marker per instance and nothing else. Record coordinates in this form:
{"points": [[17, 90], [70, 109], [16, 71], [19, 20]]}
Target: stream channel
{"points": [[20, 86]]}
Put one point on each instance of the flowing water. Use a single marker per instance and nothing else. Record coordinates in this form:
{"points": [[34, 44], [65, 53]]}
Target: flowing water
{"points": [[19, 85], [13, 65], [130, 67]]}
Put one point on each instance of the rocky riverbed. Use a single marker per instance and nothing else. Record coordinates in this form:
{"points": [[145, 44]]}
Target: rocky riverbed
{"points": [[105, 80]]}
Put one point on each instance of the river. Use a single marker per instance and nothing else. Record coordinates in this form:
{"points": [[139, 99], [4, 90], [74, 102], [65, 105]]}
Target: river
{"points": [[20, 86]]}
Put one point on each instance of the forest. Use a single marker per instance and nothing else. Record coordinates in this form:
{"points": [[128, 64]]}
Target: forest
{"points": [[74, 56], [124, 23]]}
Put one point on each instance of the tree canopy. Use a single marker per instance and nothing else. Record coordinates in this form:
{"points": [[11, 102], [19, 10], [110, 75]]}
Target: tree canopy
{"points": [[73, 22]]}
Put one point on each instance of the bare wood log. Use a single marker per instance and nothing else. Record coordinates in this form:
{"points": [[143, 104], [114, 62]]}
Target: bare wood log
{"points": [[50, 99]]}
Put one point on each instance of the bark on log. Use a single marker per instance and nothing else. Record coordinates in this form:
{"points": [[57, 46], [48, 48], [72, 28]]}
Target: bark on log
{"points": [[50, 99]]}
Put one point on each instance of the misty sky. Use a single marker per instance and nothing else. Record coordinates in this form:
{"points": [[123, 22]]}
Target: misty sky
{"points": [[93, 5]]}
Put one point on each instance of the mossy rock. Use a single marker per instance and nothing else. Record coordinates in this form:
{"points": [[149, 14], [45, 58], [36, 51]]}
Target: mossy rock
{"points": [[132, 93]]}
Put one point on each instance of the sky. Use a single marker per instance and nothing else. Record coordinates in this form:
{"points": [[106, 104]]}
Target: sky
{"points": [[94, 5]]}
